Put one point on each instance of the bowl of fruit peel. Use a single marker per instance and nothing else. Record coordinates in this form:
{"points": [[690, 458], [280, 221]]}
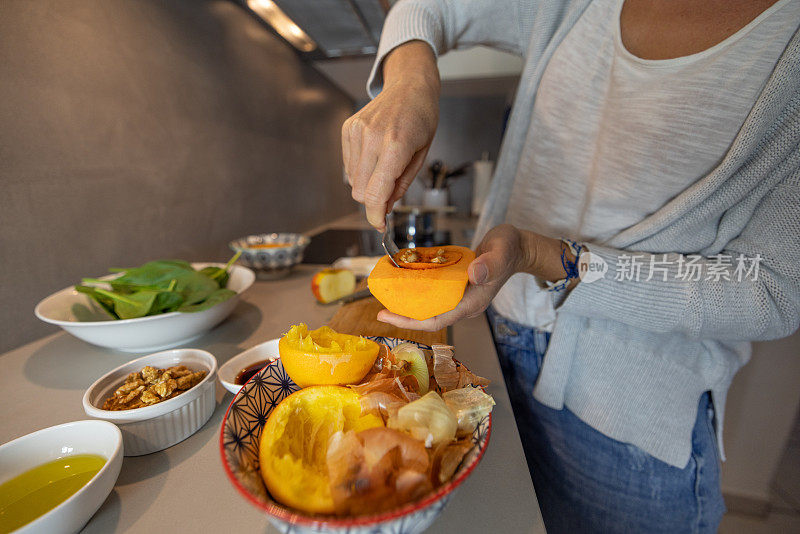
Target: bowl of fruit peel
{"points": [[377, 439]]}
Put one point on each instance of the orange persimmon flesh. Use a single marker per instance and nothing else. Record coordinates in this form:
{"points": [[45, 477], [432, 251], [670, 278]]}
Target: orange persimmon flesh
{"points": [[294, 444], [422, 293]]}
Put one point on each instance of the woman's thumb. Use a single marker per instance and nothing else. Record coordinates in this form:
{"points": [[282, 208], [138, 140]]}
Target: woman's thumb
{"points": [[478, 271], [493, 259]]}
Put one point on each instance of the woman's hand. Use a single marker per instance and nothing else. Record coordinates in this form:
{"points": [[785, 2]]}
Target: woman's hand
{"points": [[501, 254], [504, 251], [384, 145]]}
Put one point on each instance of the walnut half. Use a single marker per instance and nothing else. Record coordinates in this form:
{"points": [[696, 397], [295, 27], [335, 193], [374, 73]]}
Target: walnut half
{"points": [[408, 256]]}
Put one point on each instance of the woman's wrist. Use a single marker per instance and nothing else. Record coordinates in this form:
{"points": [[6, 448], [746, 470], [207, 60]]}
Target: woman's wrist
{"points": [[544, 257], [412, 63]]}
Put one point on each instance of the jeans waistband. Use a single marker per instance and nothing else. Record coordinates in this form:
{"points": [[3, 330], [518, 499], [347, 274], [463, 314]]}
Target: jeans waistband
{"points": [[508, 332]]}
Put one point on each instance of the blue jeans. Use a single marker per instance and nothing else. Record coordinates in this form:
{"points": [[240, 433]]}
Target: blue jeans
{"points": [[587, 482]]}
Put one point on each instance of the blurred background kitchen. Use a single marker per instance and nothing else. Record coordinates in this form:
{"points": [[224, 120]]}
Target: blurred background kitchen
{"points": [[135, 130]]}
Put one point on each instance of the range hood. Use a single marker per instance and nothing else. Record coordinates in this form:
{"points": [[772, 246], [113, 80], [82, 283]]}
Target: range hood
{"points": [[340, 28]]}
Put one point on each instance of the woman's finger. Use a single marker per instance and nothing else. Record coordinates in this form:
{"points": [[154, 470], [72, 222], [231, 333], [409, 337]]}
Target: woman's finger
{"points": [[404, 182], [393, 160], [428, 325], [346, 151], [354, 134], [370, 149]]}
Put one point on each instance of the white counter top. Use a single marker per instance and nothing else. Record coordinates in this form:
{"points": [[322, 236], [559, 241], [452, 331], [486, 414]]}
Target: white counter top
{"points": [[184, 489]]}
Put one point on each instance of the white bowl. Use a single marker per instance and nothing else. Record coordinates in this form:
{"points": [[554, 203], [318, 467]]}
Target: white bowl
{"points": [[154, 428], [79, 437], [263, 351], [67, 307]]}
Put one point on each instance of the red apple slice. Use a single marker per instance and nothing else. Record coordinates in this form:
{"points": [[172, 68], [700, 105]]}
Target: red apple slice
{"points": [[331, 284]]}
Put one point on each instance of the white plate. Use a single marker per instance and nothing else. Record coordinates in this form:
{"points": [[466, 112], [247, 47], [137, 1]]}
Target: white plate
{"points": [[85, 319], [263, 351], [79, 437], [360, 265]]}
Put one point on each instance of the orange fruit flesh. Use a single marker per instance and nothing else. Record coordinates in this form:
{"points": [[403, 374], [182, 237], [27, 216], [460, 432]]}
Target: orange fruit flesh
{"points": [[325, 357], [294, 444], [421, 293]]}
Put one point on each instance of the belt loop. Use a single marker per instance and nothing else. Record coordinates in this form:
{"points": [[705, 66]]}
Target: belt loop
{"points": [[504, 330]]}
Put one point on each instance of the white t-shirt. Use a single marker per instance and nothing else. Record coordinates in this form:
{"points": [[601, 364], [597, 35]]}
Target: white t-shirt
{"points": [[614, 137]]}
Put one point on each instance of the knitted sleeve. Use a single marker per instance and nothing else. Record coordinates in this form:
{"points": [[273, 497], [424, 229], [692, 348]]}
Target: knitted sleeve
{"points": [[750, 291], [449, 24]]}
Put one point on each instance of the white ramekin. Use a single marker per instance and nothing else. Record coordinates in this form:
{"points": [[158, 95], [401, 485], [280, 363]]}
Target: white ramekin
{"points": [[154, 428]]}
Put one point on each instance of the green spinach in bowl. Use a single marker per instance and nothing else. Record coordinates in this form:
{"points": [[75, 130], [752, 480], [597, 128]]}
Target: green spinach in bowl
{"points": [[158, 287]]}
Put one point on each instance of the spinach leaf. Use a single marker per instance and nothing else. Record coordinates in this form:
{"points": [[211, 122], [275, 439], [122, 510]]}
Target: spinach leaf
{"points": [[166, 301], [106, 303], [215, 298], [215, 273], [221, 274], [195, 287], [123, 287], [155, 273], [86, 314], [133, 305]]}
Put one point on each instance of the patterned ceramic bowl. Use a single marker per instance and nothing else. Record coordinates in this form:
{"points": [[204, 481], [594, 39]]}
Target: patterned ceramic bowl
{"points": [[271, 255], [239, 442]]}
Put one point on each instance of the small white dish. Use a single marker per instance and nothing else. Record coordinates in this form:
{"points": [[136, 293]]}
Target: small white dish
{"points": [[263, 351], [162, 425], [360, 265], [79, 437], [83, 318]]}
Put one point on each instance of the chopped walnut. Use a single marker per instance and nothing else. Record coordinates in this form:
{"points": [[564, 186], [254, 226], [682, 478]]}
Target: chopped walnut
{"points": [[439, 258], [179, 371], [150, 398], [165, 388], [131, 395], [151, 386], [189, 381], [150, 374], [130, 385], [408, 256]]}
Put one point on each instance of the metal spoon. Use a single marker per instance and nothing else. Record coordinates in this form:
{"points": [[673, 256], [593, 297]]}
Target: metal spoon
{"points": [[388, 243]]}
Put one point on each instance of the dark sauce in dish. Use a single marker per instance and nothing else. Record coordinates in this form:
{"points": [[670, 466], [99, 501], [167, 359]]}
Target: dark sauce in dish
{"points": [[248, 372]]}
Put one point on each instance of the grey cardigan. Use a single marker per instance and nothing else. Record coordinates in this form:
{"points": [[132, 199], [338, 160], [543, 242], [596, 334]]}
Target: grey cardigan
{"points": [[631, 358]]}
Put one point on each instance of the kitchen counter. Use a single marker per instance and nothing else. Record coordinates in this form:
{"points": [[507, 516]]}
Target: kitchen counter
{"points": [[184, 489]]}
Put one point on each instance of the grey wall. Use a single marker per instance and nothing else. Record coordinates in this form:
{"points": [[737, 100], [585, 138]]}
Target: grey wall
{"points": [[133, 130]]}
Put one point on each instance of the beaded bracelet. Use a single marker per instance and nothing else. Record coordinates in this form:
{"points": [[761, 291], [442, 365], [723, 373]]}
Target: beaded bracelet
{"points": [[570, 267]]}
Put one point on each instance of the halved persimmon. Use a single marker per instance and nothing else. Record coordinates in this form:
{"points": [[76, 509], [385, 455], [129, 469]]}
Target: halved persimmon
{"points": [[294, 444], [422, 290]]}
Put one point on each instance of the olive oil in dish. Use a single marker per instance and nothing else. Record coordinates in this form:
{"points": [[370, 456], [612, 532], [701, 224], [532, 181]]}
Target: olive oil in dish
{"points": [[39, 490]]}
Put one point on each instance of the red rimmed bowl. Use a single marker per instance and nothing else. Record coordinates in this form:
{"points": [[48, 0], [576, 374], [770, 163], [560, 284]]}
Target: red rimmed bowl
{"points": [[239, 441]]}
